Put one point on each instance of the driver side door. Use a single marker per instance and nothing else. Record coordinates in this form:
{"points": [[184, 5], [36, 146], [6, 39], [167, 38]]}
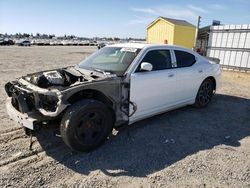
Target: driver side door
{"points": [[153, 91]]}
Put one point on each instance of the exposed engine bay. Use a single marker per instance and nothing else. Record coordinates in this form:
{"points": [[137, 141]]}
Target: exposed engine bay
{"points": [[60, 77], [47, 94], [47, 79]]}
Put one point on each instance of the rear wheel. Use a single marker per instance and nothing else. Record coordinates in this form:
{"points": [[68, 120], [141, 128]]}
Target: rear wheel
{"points": [[205, 93], [86, 125]]}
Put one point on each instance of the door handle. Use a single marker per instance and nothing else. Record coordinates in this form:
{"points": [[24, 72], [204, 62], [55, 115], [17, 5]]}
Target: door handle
{"points": [[200, 70], [170, 75]]}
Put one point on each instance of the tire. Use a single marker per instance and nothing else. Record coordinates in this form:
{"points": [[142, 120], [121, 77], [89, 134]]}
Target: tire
{"points": [[86, 125], [205, 93]]}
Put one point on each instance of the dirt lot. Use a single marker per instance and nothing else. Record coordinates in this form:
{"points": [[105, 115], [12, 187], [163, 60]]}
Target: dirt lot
{"points": [[188, 147]]}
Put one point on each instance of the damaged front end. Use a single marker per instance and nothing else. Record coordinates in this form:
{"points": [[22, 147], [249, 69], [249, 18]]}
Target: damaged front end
{"points": [[43, 96], [34, 98]]}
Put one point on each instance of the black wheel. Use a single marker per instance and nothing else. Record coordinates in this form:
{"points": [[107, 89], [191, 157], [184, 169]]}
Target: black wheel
{"points": [[86, 125], [205, 93]]}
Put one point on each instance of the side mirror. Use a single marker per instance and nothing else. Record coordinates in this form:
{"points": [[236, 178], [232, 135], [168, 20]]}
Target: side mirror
{"points": [[146, 66]]}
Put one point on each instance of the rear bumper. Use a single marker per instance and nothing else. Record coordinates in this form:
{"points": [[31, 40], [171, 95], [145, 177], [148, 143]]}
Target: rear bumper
{"points": [[24, 120]]}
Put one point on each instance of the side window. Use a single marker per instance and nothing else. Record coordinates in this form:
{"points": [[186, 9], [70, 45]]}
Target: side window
{"points": [[160, 59], [184, 59]]}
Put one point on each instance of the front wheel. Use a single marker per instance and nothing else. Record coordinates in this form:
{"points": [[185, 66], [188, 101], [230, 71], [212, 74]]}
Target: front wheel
{"points": [[205, 93], [86, 125]]}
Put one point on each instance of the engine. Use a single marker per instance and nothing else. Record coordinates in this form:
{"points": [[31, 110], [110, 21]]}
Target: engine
{"points": [[53, 78]]}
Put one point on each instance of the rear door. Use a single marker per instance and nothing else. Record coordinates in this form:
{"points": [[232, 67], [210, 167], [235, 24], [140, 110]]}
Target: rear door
{"points": [[153, 91], [189, 75]]}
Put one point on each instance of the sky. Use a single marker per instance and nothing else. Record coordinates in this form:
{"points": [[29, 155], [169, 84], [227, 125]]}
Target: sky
{"points": [[112, 18]]}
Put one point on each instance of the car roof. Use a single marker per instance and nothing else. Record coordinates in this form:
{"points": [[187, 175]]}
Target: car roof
{"points": [[129, 45], [142, 45], [146, 46]]}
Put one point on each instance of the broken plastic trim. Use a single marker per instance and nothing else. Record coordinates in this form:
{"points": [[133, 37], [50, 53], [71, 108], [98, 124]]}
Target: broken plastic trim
{"points": [[134, 108], [54, 92]]}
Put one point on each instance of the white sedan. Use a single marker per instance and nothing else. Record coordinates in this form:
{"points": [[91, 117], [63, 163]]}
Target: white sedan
{"points": [[119, 84]]}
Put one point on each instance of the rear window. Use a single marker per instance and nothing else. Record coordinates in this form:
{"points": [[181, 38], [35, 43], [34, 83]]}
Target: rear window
{"points": [[184, 59]]}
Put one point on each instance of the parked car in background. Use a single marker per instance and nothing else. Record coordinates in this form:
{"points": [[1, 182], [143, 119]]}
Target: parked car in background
{"points": [[119, 84], [93, 43], [6, 42], [24, 43], [101, 45]]}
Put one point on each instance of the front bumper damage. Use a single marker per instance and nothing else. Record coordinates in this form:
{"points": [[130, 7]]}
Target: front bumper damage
{"points": [[24, 104], [25, 120], [36, 91]]}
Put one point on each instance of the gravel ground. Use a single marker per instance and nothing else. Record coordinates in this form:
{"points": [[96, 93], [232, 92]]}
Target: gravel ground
{"points": [[187, 147]]}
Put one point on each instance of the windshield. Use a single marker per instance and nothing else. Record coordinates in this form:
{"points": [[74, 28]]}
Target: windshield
{"points": [[111, 59]]}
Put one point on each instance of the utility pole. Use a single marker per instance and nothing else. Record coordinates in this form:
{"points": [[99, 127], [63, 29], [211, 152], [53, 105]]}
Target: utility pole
{"points": [[197, 32], [199, 21]]}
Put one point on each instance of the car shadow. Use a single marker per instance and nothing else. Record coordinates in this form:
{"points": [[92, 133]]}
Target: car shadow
{"points": [[158, 142]]}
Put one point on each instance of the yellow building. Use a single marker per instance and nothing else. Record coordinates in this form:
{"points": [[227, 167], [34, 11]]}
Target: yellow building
{"points": [[171, 31]]}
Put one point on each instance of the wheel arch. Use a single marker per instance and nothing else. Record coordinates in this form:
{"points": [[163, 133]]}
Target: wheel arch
{"points": [[213, 80], [93, 94]]}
